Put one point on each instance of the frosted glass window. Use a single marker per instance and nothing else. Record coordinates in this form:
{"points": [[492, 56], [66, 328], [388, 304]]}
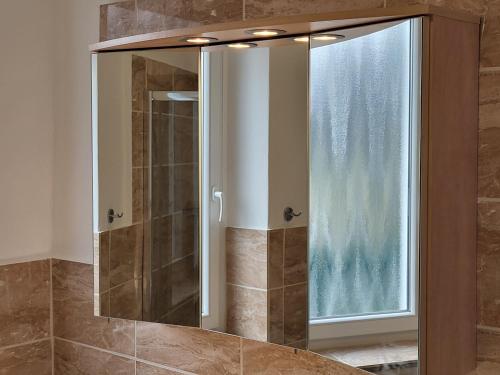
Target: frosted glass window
{"points": [[360, 175]]}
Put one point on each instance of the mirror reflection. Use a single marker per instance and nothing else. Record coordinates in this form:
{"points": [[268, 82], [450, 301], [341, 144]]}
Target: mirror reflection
{"points": [[266, 189]]}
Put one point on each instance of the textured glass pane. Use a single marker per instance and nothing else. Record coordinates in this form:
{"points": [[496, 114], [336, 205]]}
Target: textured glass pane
{"points": [[359, 155]]}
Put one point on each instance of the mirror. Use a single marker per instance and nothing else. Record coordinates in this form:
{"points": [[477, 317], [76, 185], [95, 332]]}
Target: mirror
{"points": [[265, 189]]}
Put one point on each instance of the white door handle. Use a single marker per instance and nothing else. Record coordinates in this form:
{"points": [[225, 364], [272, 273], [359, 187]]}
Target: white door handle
{"points": [[218, 195]]}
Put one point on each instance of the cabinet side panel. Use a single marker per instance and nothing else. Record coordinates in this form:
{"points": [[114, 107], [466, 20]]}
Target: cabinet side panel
{"points": [[452, 195]]}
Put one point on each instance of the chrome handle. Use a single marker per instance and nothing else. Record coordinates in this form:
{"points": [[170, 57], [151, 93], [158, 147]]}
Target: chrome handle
{"points": [[217, 195], [289, 214], [112, 216]]}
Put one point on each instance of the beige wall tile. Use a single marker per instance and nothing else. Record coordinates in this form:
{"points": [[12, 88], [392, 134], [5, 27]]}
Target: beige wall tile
{"points": [[246, 312], [74, 359], [295, 312], [117, 20], [125, 300], [488, 346], [144, 369], [246, 257], [125, 254], [295, 263], [272, 8], [275, 251], [270, 359], [188, 349], [490, 41], [489, 99], [276, 316], [25, 302], [27, 359], [73, 311], [489, 163], [487, 368], [488, 264]]}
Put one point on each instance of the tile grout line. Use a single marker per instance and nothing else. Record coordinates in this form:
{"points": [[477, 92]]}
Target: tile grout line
{"points": [[490, 69], [488, 328], [51, 301], [126, 356], [488, 200], [7, 347]]}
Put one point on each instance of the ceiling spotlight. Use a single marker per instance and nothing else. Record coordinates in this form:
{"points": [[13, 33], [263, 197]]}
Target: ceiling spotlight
{"points": [[327, 37], [199, 40], [266, 33], [301, 39], [242, 45]]}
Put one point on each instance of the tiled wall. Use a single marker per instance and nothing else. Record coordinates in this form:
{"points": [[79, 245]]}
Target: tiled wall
{"points": [[134, 17], [85, 344], [267, 284], [25, 319]]}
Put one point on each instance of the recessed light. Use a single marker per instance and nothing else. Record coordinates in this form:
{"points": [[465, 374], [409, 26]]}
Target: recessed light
{"points": [[301, 39], [199, 39], [265, 32], [242, 45], [327, 37]]}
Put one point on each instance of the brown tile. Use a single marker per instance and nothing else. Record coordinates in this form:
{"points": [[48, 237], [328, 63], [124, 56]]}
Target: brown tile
{"points": [[488, 264], [213, 11], [102, 258], [489, 100], [184, 274], [103, 304], [188, 109], [25, 302], [157, 15], [125, 300], [162, 241], [275, 251], [477, 7], [490, 40], [295, 263], [246, 312], [27, 359], [489, 163], [118, 20], [246, 257], [138, 83], [271, 359], [137, 139], [295, 312], [185, 234], [188, 349], [162, 136], [159, 75], [185, 314], [185, 80], [163, 190], [487, 368], [138, 190], [185, 187], [73, 311], [401, 3], [125, 254], [488, 346], [74, 359], [271, 8], [144, 369], [276, 316], [185, 139]]}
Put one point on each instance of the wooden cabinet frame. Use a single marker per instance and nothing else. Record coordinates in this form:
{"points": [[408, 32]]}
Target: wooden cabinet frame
{"points": [[449, 139]]}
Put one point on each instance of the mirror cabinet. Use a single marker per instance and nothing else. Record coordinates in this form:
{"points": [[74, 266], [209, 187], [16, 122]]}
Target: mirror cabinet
{"points": [[310, 183]]}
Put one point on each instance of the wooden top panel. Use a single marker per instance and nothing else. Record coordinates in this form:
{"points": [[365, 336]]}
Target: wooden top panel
{"points": [[294, 25]]}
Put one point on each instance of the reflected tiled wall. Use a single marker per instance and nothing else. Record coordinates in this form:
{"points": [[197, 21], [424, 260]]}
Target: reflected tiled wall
{"points": [[25, 319], [267, 284]]}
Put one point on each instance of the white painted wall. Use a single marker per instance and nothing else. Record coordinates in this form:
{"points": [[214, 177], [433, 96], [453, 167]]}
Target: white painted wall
{"points": [[77, 26], [246, 100], [288, 129], [26, 129]]}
